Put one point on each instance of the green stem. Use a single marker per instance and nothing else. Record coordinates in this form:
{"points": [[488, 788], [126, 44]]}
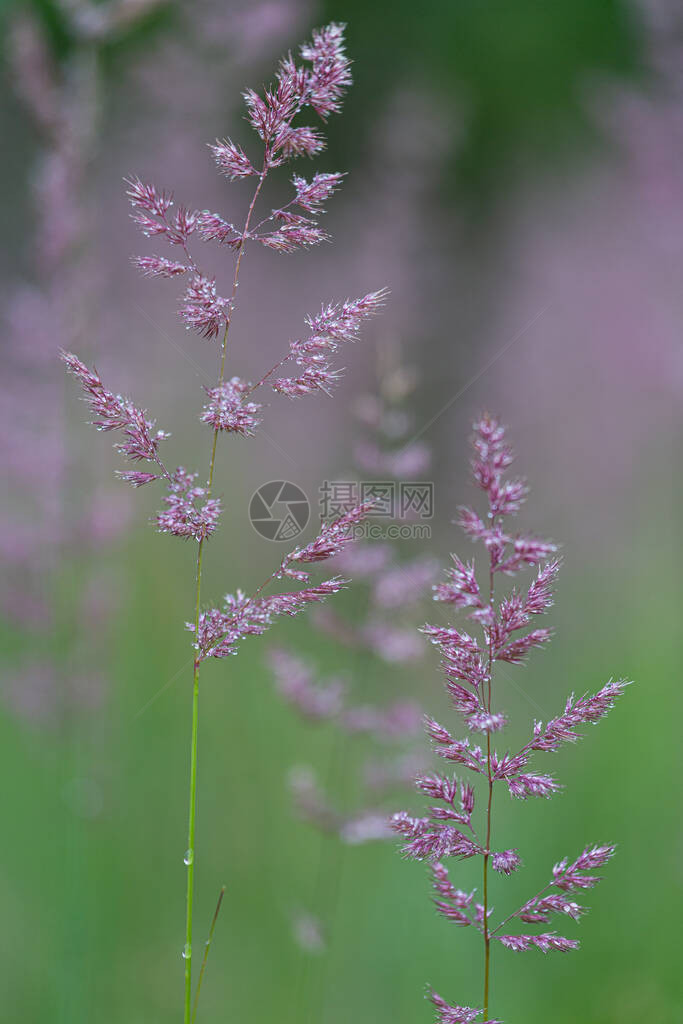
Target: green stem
{"points": [[206, 951], [189, 857], [487, 853], [487, 935]]}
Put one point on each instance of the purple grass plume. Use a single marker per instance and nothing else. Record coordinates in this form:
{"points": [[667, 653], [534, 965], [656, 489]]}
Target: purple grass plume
{"points": [[507, 634], [372, 722], [190, 508]]}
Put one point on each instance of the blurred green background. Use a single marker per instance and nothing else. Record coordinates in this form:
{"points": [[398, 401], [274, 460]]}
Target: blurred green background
{"points": [[515, 178]]}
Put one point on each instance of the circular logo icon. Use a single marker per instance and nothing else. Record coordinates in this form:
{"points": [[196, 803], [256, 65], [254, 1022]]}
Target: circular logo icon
{"points": [[279, 510]]}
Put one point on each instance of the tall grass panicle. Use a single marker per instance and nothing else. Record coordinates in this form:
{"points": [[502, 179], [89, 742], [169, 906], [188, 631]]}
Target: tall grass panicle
{"points": [[374, 726], [191, 509], [363, 699], [505, 622]]}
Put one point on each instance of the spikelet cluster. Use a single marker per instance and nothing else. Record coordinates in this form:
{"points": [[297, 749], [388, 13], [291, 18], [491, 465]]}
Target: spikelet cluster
{"points": [[507, 633], [190, 509]]}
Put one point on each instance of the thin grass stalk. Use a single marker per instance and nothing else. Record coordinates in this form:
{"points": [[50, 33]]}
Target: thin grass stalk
{"points": [[448, 831], [191, 512], [192, 811]]}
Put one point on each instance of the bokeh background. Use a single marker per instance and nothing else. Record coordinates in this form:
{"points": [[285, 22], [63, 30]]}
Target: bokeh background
{"points": [[515, 177]]}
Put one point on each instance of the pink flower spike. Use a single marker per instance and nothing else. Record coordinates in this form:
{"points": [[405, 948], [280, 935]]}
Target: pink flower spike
{"points": [[343, 321], [506, 498], [329, 328], [221, 631], [437, 733], [447, 1014], [465, 701], [452, 913], [525, 551], [185, 514], [332, 539], [577, 712], [460, 752], [506, 862], [515, 651], [570, 877], [462, 589], [203, 309], [545, 942], [213, 228], [183, 225], [330, 75], [136, 478], [228, 409], [157, 266], [480, 913], [484, 721], [314, 378], [438, 788], [466, 798], [231, 159], [295, 235], [302, 141], [439, 841], [523, 786], [443, 886], [112, 412], [540, 595], [450, 639], [311, 195], [594, 857], [470, 522], [408, 826], [540, 909], [146, 197], [517, 943]]}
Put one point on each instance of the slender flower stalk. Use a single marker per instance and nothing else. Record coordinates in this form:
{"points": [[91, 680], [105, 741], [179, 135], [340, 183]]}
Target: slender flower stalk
{"points": [[191, 511], [469, 664]]}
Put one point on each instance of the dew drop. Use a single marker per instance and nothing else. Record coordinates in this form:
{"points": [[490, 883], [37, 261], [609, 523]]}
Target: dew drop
{"points": [[189, 857], [187, 951]]}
